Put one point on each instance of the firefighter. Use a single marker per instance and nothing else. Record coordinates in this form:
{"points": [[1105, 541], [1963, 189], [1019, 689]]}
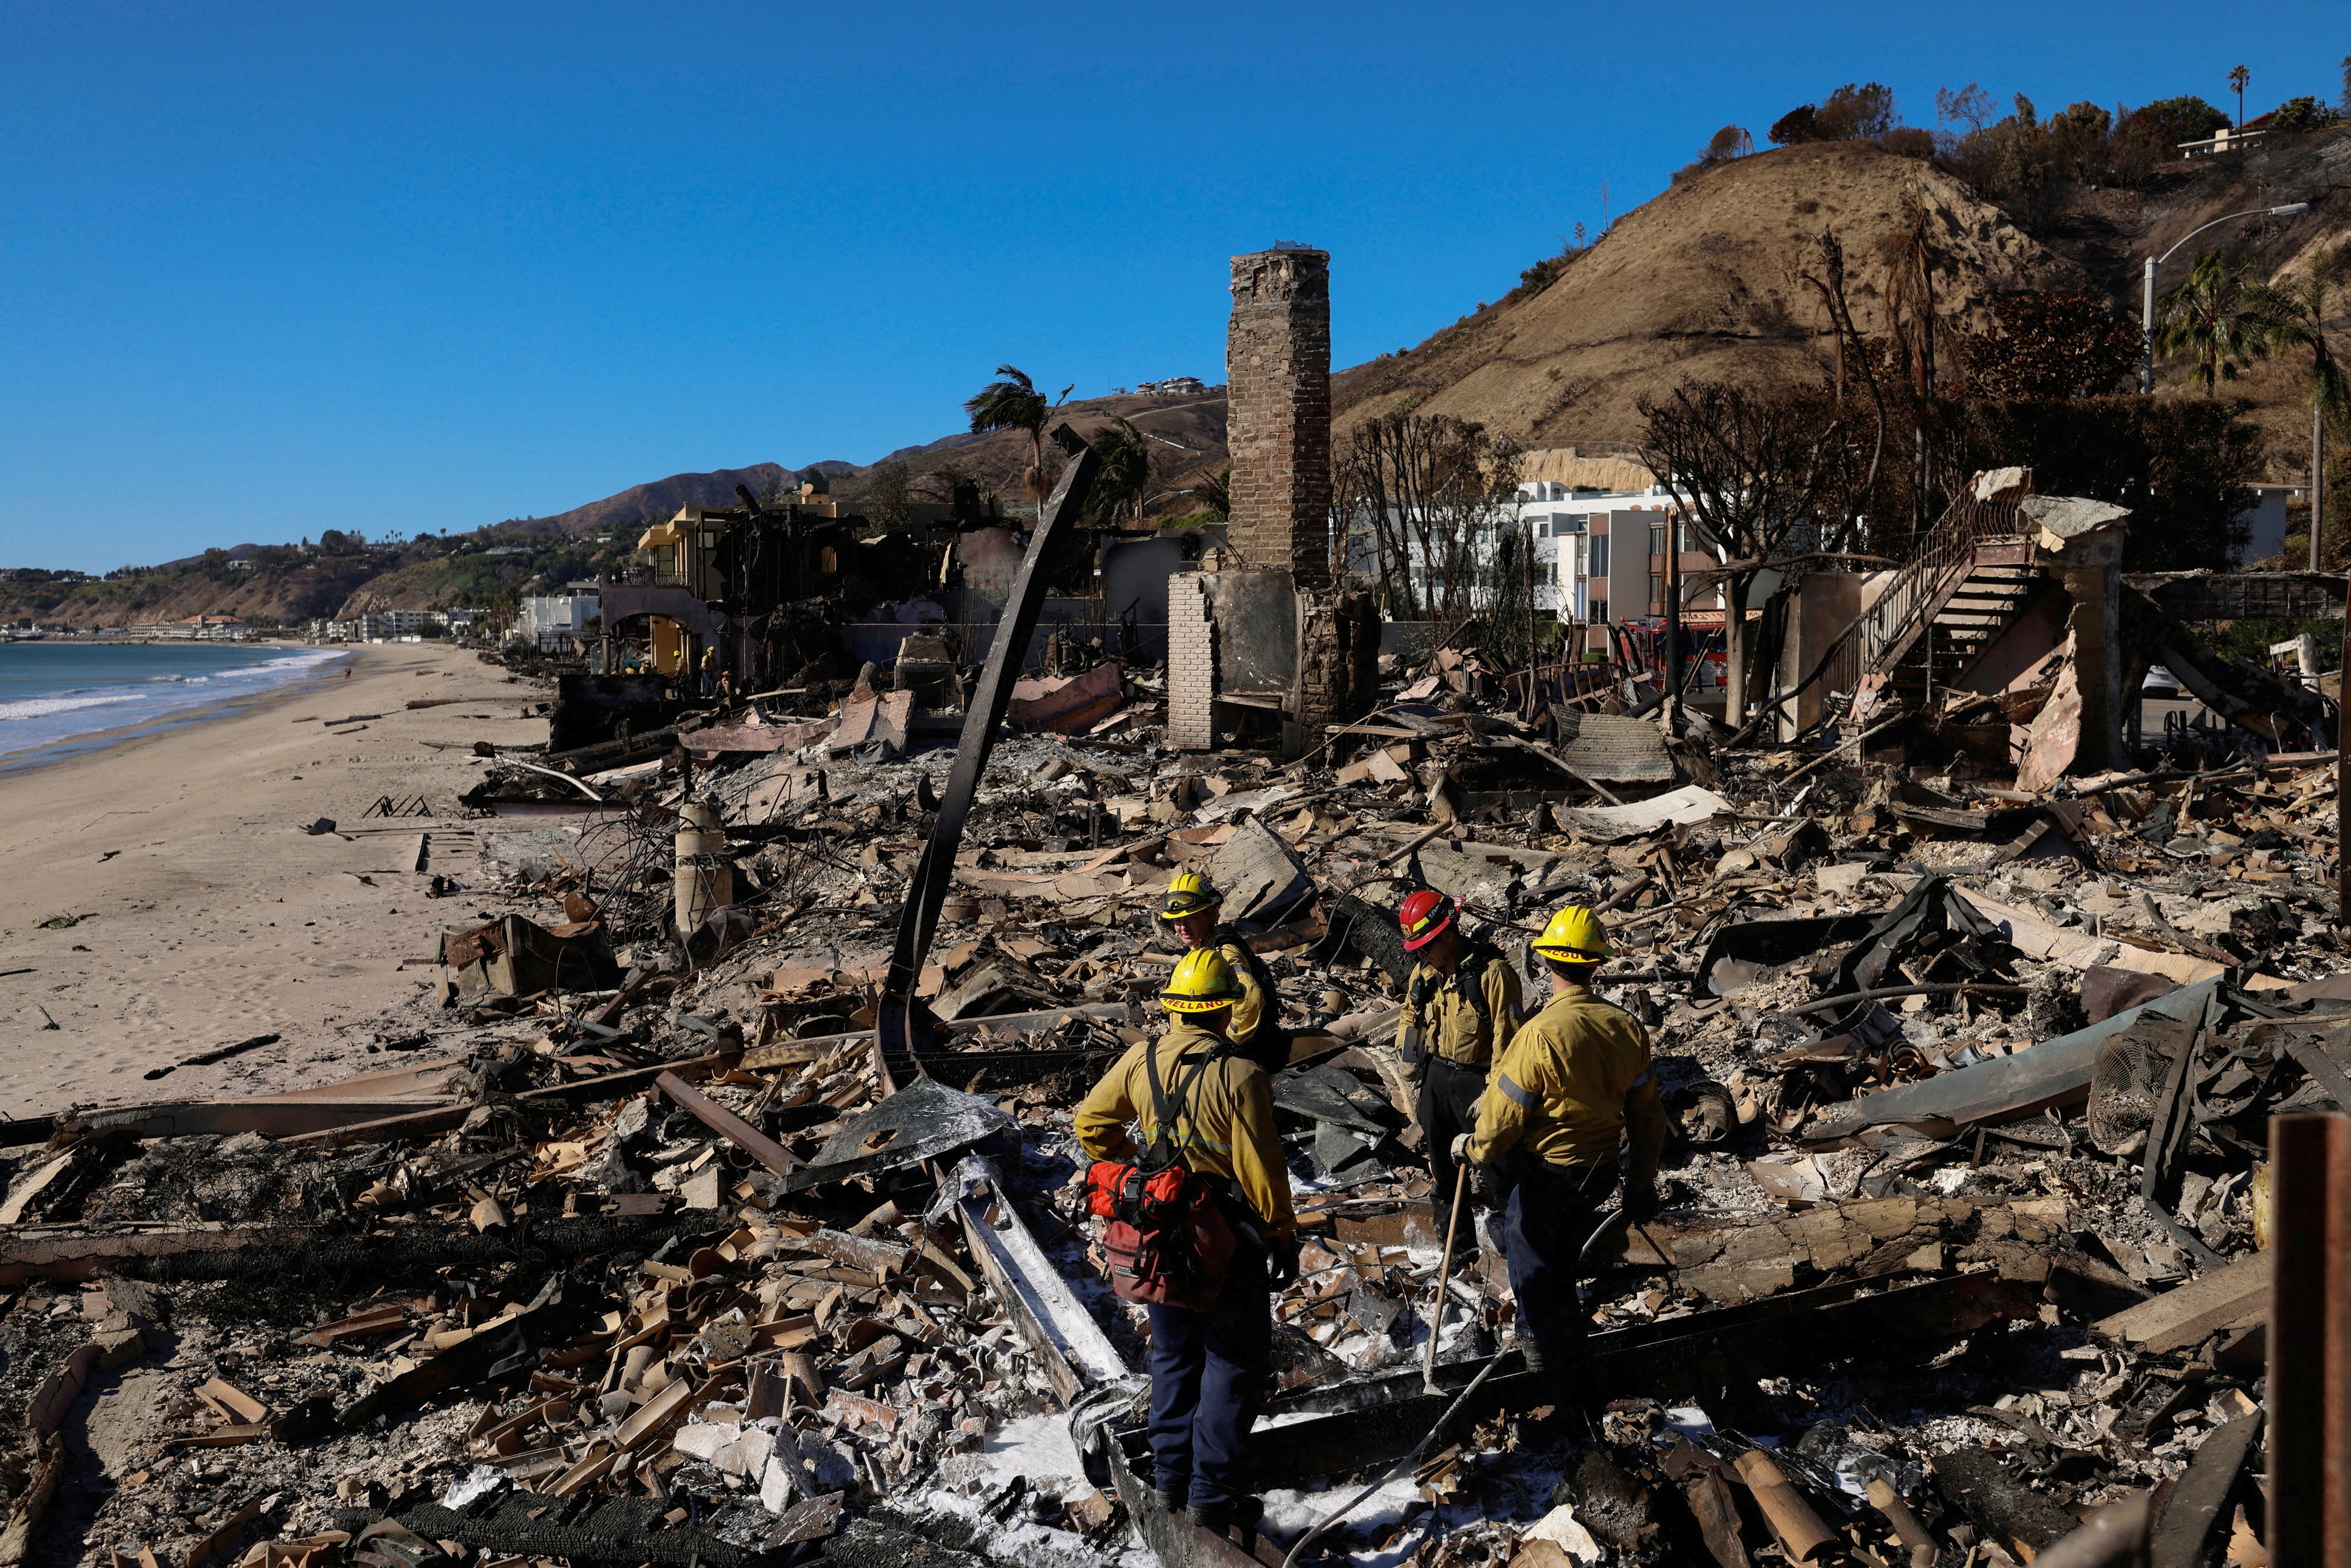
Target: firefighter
{"points": [[1573, 1085], [1189, 908], [1208, 1368], [1460, 1010], [709, 672]]}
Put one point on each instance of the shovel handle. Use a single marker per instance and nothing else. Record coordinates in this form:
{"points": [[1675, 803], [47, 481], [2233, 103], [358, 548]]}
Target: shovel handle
{"points": [[1444, 1277]]}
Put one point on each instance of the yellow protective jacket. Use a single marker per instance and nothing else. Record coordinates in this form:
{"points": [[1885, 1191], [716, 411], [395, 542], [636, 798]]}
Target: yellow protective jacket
{"points": [[1445, 1024], [1224, 1129], [1574, 1078]]}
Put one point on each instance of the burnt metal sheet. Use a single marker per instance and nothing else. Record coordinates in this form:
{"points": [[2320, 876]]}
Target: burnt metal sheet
{"points": [[898, 1020], [1615, 748], [2243, 595], [1078, 1356], [1735, 954], [1333, 1095], [2054, 1072], [922, 1121]]}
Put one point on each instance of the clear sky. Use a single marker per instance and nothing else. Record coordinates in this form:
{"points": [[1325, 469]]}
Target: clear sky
{"points": [[270, 269]]}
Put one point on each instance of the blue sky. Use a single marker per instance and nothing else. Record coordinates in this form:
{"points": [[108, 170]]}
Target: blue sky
{"points": [[270, 269]]}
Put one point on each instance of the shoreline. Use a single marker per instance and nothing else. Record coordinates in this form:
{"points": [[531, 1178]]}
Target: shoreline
{"points": [[202, 916], [48, 753]]}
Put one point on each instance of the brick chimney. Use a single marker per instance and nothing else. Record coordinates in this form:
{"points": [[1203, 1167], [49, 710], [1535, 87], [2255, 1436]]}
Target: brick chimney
{"points": [[1278, 412]]}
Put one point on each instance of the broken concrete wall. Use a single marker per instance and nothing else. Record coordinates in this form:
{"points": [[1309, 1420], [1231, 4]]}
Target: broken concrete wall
{"points": [[2027, 641], [1134, 574], [1191, 663], [1827, 604]]}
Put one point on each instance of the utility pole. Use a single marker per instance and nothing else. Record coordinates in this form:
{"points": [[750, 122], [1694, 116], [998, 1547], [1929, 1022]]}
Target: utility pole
{"points": [[2147, 288], [2317, 476], [1673, 614]]}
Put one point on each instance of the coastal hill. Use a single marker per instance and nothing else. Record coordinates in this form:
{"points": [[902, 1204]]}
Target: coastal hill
{"points": [[1702, 280]]}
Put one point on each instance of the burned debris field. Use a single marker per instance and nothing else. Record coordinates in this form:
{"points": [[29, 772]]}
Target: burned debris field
{"points": [[723, 1197]]}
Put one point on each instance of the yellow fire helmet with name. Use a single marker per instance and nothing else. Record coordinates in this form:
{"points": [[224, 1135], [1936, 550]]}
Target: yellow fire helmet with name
{"points": [[1575, 936], [1189, 892], [1202, 983]]}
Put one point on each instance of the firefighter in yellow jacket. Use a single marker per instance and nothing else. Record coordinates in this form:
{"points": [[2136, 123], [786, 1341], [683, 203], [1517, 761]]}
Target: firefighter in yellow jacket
{"points": [[1190, 907], [1460, 1009], [1208, 1368], [1573, 1088]]}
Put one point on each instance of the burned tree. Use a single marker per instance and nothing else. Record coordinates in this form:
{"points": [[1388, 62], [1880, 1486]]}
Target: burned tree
{"points": [[1756, 469], [1426, 500]]}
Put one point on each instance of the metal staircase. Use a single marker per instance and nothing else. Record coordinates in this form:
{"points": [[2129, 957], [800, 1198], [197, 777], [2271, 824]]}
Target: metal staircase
{"points": [[1996, 588], [1972, 575]]}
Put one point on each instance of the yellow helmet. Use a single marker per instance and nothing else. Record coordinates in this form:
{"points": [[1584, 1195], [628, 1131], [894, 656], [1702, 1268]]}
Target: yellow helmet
{"points": [[1189, 892], [1202, 983], [1575, 936]]}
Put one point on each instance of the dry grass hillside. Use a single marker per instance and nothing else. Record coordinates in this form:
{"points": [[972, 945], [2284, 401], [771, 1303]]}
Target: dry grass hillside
{"points": [[1703, 282], [1191, 443]]}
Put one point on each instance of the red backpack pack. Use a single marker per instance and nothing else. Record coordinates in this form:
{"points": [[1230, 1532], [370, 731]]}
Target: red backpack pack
{"points": [[1168, 1242]]}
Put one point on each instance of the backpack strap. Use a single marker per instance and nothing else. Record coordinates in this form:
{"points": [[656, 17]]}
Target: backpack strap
{"points": [[1475, 966], [1165, 1108]]}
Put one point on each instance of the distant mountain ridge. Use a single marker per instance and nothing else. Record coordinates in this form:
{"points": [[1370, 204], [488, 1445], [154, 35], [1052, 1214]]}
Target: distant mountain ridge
{"points": [[659, 500]]}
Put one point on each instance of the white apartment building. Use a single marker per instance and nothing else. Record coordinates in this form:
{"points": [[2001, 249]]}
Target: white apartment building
{"points": [[555, 621]]}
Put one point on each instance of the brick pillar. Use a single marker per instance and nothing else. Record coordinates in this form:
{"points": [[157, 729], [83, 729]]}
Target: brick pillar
{"points": [[1278, 412], [1322, 690], [1191, 663]]}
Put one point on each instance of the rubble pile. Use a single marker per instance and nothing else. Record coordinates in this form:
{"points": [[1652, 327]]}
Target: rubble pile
{"points": [[642, 1248]]}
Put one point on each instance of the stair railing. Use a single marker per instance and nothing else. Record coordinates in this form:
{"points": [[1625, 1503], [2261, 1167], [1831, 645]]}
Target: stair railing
{"points": [[1876, 642]]}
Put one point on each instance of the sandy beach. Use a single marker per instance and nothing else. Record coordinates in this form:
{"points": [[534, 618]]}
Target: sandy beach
{"points": [[206, 916]]}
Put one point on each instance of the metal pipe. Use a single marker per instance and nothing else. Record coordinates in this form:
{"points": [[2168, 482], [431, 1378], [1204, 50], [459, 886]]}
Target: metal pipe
{"points": [[2317, 475], [2310, 1341]]}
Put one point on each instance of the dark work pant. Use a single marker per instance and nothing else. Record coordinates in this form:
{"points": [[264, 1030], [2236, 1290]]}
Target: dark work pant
{"points": [[1449, 1107], [1552, 1214], [1207, 1379]]}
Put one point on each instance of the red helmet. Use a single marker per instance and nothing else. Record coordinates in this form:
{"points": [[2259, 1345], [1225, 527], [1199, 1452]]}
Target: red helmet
{"points": [[1425, 915]]}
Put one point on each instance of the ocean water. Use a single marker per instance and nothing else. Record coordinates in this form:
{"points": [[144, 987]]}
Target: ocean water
{"points": [[54, 693]]}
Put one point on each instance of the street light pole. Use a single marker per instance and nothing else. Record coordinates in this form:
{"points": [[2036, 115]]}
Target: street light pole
{"points": [[2147, 285]]}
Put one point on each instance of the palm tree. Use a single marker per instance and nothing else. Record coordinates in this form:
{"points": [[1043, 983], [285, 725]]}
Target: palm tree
{"points": [[2293, 315], [1015, 404], [2236, 79], [1215, 492], [1123, 476], [2207, 318]]}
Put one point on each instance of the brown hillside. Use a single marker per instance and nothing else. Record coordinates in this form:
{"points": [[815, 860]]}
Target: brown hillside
{"points": [[1700, 282], [287, 595], [661, 499], [998, 460]]}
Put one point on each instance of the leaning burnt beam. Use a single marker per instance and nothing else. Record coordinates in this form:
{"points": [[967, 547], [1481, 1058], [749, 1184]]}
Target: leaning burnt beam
{"points": [[900, 1020]]}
